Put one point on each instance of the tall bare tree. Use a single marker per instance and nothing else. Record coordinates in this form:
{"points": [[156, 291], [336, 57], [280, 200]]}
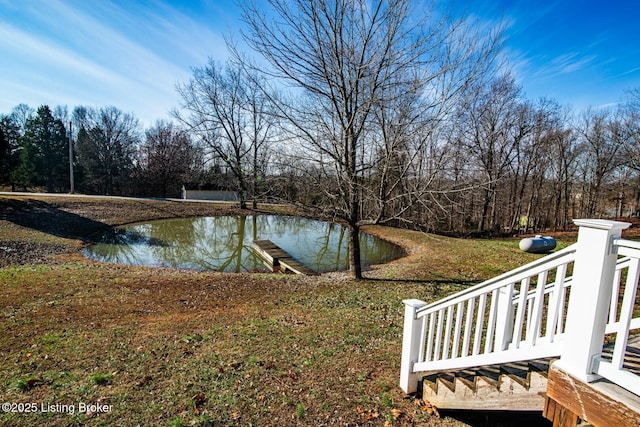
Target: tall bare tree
{"points": [[20, 114], [561, 155], [107, 144], [225, 108], [602, 141], [492, 125], [630, 116], [346, 59]]}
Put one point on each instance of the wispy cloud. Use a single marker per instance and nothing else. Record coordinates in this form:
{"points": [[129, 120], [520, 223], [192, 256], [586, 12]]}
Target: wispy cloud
{"points": [[45, 53], [130, 56], [631, 71], [184, 35], [570, 62], [110, 46], [523, 16]]}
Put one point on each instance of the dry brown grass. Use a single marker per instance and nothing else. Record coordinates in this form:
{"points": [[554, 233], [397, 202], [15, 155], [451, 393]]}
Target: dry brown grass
{"points": [[169, 347]]}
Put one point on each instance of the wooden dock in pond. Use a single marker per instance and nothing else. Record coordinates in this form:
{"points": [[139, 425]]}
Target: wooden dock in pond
{"points": [[276, 257]]}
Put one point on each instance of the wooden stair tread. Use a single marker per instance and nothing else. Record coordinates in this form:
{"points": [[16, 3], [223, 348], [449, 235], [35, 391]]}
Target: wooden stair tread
{"points": [[541, 365], [508, 386], [467, 377], [517, 373], [448, 380]]}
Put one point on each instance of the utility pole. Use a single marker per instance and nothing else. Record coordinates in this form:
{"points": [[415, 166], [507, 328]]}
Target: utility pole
{"points": [[71, 183]]}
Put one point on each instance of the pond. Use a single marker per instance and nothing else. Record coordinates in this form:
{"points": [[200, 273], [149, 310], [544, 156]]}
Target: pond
{"points": [[224, 243]]}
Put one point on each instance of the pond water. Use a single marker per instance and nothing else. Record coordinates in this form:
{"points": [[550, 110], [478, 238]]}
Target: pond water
{"points": [[224, 243]]}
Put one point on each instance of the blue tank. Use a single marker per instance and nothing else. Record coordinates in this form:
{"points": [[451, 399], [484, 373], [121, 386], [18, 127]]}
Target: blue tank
{"points": [[538, 244]]}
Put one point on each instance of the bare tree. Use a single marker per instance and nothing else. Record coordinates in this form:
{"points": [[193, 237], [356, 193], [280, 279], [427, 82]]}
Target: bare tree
{"points": [[225, 108], [167, 159], [347, 59], [20, 114], [630, 116], [492, 127], [541, 170], [107, 144], [61, 112], [561, 155], [602, 141]]}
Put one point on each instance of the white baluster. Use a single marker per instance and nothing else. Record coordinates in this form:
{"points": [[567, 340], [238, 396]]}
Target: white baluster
{"points": [[456, 334], [504, 325]]}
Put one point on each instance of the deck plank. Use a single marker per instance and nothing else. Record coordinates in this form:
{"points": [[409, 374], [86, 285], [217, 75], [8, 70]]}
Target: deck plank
{"points": [[278, 257], [601, 402]]}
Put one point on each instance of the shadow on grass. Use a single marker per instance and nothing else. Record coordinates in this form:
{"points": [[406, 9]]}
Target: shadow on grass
{"points": [[48, 218], [434, 289], [457, 282], [499, 418]]}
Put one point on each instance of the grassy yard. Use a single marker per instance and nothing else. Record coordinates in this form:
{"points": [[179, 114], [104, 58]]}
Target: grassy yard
{"points": [[122, 345]]}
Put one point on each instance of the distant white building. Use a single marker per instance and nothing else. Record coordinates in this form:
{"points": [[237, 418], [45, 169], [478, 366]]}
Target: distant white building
{"points": [[219, 195]]}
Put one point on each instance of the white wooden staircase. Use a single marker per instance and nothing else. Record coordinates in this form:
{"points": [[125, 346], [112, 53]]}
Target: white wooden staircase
{"points": [[500, 344]]}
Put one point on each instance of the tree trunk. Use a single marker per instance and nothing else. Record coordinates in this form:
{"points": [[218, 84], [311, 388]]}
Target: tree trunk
{"points": [[243, 199], [485, 210], [355, 268]]}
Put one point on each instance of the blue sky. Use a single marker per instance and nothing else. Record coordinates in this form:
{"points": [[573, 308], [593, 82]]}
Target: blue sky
{"points": [[131, 54]]}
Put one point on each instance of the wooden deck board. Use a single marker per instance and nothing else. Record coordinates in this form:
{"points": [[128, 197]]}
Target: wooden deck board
{"points": [[296, 267], [600, 403], [269, 251], [276, 256]]}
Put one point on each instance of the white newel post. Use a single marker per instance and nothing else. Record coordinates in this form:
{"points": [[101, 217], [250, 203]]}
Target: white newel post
{"points": [[590, 295], [410, 345]]}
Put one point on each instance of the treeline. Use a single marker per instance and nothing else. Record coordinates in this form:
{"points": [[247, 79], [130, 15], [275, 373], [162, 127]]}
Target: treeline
{"points": [[502, 164], [409, 134], [112, 154]]}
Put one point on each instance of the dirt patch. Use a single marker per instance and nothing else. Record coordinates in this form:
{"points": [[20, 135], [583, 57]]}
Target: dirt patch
{"points": [[20, 253]]}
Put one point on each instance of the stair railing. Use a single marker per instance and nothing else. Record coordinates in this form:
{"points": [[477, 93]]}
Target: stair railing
{"points": [[531, 312], [622, 318], [515, 316]]}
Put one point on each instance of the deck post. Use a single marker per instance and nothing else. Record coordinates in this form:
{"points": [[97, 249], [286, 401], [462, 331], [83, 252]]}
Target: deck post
{"points": [[590, 296], [410, 345]]}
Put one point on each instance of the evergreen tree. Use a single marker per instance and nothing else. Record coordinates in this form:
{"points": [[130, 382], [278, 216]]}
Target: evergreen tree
{"points": [[44, 158], [9, 144]]}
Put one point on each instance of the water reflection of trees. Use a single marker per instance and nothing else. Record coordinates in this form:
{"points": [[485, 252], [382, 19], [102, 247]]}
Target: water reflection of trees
{"points": [[224, 243], [221, 243]]}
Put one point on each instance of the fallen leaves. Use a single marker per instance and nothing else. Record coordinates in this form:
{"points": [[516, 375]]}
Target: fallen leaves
{"points": [[199, 399], [427, 407], [367, 414], [396, 413]]}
